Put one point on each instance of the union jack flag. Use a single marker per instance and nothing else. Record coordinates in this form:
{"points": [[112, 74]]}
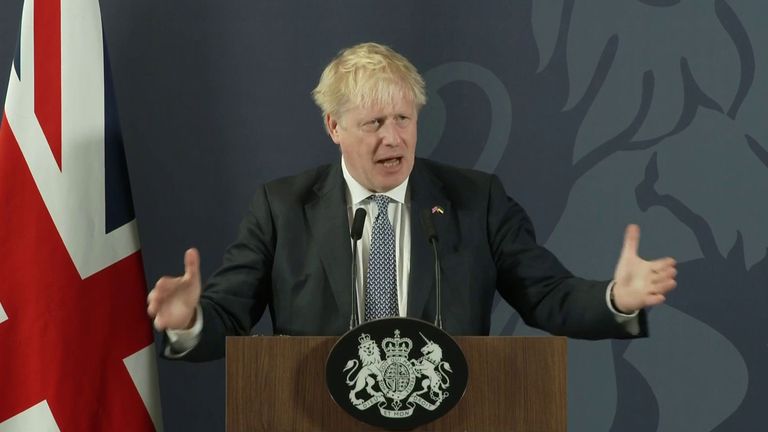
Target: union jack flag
{"points": [[76, 346]]}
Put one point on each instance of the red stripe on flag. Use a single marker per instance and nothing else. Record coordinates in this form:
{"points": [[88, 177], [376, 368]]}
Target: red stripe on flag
{"points": [[48, 72]]}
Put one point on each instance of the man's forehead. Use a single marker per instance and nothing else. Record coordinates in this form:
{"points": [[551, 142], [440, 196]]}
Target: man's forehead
{"points": [[387, 108]]}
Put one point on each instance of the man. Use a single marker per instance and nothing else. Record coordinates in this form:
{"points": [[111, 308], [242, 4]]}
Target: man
{"points": [[293, 252]]}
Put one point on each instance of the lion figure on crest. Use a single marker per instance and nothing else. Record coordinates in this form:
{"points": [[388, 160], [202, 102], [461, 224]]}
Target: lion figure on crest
{"points": [[430, 363], [370, 356]]}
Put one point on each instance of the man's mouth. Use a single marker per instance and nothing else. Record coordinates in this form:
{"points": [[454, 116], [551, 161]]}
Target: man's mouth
{"points": [[390, 162]]}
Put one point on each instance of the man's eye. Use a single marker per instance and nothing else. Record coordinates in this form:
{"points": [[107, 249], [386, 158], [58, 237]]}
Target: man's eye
{"points": [[372, 125], [402, 120]]}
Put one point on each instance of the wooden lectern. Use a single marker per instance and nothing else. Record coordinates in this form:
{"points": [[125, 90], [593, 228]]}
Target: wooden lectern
{"points": [[277, 383]]}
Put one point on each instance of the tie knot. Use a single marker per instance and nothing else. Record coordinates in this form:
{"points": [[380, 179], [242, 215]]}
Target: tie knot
{"points": [[382, 202]]}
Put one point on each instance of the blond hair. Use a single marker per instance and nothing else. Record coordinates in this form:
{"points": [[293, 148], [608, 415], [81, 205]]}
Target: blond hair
{"points": [[367, 74]]}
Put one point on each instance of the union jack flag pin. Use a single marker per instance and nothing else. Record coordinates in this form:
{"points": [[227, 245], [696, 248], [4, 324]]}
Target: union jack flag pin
{"points": [[437, 209]]}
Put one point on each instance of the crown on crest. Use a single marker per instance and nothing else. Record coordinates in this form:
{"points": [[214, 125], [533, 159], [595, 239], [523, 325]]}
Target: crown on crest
{"points": [[364, 340], [397, 346]]}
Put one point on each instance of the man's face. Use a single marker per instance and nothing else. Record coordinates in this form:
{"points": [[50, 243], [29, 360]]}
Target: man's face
{"points": [[378, 143]]}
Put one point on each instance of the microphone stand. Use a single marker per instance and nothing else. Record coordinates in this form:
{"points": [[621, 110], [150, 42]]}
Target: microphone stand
{"points": [[356, 233], [426, 221]]}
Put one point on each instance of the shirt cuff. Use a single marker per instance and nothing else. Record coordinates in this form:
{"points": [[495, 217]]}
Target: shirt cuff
{"points": [[620, 316], [180, 342]]}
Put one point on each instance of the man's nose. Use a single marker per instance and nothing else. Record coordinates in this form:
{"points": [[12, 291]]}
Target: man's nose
{"points": [[390, 134]]}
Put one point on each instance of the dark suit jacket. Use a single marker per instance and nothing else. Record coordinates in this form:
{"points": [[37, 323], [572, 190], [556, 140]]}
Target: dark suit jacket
{"points": [[293, 255]]}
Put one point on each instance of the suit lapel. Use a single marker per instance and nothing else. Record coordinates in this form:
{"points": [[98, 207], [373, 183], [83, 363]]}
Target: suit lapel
{"points": [[426, 194], [329, 223]]}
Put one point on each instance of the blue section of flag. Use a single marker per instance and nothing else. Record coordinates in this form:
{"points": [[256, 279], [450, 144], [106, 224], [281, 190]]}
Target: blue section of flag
{"points": [[17, 57], [119, 206]]}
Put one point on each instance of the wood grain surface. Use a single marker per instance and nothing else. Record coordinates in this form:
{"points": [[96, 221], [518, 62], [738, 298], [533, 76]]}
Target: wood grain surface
{"points": [[277, 383]]}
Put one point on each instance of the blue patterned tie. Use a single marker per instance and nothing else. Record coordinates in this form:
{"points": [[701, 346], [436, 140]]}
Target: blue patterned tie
{"points": [[381, 286]]}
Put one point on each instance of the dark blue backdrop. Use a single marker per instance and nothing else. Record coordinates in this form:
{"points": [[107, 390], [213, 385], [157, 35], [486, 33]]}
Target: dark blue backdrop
{"points": [[593, 113]]}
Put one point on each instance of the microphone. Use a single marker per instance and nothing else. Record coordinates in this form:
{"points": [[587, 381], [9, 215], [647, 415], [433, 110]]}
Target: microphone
{"points": [[429, 228], [357, 231]]}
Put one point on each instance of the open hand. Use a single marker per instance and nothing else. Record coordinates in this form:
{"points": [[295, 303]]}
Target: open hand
{"points": [[640, 283], [173, 301]]}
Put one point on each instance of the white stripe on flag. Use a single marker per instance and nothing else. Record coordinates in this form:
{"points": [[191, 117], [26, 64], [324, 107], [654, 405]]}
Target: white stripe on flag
{"points": [[3, 315], [39, 418], [142, 368]]}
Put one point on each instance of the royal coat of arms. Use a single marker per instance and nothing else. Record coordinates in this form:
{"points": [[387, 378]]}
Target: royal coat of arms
{"points": [[387, 383]]}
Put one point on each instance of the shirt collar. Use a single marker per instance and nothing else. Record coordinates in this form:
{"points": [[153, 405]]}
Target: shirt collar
{"points": [[359, 193]]}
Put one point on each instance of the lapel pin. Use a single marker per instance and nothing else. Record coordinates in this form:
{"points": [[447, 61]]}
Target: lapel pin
{"points": [[437, 209]]}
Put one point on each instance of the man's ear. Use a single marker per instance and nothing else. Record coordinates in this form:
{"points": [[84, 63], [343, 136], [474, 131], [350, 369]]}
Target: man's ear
{"points": [[332, 126]]}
